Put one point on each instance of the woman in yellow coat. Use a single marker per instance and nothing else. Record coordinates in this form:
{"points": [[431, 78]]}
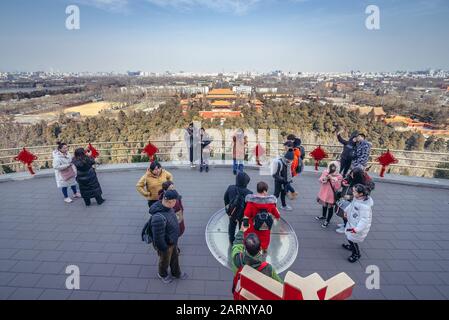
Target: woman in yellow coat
{"points": [[151, 183]]}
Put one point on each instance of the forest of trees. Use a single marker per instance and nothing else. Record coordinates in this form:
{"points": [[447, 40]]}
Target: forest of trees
{"points": [[315, 123]]}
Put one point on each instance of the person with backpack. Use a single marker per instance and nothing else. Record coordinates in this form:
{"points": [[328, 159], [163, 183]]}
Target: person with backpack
{"points": [[150, 184], [178, 208], [348, 153], [246, 251], [359, 215], [355, 177], [165, 234], [65, 172], [330, 183], [234, 199], [260, 213], [281, 172], [87, 177]]}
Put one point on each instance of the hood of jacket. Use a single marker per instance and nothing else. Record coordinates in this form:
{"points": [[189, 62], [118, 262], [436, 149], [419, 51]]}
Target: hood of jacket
{"points": [[242, 180], [158, 207], [258, 199], [337, 165]]}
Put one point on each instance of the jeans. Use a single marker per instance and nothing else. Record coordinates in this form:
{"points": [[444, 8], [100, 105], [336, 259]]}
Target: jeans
{"points": [[231, 229], [238, 165], [289, 188], [279, 190], [169, 258], [66, 193]]}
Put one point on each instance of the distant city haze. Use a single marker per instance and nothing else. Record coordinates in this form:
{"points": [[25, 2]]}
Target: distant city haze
{"points": [[223, 36]]}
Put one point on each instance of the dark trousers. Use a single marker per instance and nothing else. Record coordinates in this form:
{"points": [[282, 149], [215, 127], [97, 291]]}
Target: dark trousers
{"points": [[354, 248], [169, 258], [151, 202], [231, 230], [279, 190], [289, 188], [99, 200], [329, 211], [191, 154], [345, 166]]}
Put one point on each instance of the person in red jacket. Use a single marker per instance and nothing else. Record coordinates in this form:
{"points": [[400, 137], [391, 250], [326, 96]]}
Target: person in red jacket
{"points": [[256, 203]]}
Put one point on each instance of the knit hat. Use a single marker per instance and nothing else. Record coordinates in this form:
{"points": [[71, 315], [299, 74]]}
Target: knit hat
{"points": [[171, 195], [289, 155]]}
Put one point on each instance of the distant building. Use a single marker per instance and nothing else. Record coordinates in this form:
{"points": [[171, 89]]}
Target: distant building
{"points": [[245, 90], [220, 114], [266, 90], [377, 112], [221, 94]]}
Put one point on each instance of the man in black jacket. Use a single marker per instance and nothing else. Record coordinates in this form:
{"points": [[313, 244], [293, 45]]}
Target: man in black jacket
{"points": [[165, 230], [240, 188], [282, 176], [348, 153]]}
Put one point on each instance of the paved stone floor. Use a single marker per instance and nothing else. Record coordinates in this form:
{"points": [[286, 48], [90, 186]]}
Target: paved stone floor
{"points": [[40, 236]]}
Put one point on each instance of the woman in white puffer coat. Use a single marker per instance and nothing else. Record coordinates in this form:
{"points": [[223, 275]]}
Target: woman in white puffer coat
{"points": [[65, 171], [359, 214]]}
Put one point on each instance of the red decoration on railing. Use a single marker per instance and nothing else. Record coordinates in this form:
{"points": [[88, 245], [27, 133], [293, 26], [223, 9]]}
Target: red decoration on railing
{"points": [[150, 150], [385, 160], [93, 152], [27, 158], [259, 151], [318, 154]]}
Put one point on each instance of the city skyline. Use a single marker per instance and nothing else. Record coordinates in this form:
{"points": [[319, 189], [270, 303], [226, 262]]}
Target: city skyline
{"points": [[224, 36]]}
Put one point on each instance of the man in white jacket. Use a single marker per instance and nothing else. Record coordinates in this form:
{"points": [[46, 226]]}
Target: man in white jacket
{"points": [[359, 214]]}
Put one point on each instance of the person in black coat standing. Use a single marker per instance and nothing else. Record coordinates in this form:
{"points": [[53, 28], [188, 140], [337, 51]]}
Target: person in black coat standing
{"points": [[165, 230], [239, 189], [348, 153], [87, 177]]}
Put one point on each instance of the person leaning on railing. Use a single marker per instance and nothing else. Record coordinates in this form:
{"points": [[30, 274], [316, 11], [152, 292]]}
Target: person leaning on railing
{"points": [[150, 184]]}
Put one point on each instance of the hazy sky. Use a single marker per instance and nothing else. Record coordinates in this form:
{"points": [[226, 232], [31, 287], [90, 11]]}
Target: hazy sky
{"points": [[224, 35]]}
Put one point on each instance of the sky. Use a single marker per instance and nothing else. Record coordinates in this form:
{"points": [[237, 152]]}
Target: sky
{"points": [[223, 36]]}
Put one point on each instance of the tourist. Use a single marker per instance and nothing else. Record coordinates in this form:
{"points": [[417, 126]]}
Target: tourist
{"points": [[330, 183], [150, 184], [259, 214], [362, 152], [65, 171], [246, 251], [234, 199], [239, 145], [281, 171], [291, 193], [192, 139], [355, 177], [348, 153], [178, 208], [87, 177], [165, 231], [359, 215], [205, 150]]}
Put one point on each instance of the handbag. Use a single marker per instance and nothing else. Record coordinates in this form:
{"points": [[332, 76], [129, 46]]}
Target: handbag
{"points": [[68, 173]]}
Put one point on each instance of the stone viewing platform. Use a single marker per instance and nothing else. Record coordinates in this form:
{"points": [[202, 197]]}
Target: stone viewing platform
{"points": [[40, 236]]}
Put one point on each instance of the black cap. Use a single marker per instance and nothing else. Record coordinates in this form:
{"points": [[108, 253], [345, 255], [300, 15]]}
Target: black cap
{"points": [[171, 195]]}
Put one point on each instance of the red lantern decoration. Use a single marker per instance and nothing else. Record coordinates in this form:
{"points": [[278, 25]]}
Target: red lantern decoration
{"points": [[150, 150], [27, 158], [318, 154], [385, 160], [259, 151], [93, 152]]}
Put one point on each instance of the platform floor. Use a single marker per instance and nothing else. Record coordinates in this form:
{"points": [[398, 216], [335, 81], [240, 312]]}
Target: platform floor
{"points": [[40, 235]]}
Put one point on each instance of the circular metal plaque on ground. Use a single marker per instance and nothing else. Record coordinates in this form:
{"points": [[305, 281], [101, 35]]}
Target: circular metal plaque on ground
{"points": [[281, 253]]}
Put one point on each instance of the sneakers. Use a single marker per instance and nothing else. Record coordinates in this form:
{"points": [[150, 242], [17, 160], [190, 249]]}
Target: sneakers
{"points": [[77, 195], [341, 225], [207, 169], [183, 276], [353, 258], [341, 230], [192, 165], [168, 279], [68, 200], [325, 225], [320, 218], [287, 208]]}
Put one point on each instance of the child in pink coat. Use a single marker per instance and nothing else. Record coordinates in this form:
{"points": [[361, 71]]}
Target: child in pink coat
{"points": [[330, 182]]}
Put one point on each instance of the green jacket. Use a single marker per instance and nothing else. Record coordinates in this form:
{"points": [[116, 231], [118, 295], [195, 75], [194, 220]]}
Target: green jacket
{"points": [[240, 258]]}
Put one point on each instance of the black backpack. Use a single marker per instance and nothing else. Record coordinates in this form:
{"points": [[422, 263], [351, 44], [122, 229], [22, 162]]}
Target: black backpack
{"points": [[236, 206], [147, 232], [263, 221]]}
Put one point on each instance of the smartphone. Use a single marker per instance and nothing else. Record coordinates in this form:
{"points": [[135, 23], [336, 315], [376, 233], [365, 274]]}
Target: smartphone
{"points": [[246, 223]]}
